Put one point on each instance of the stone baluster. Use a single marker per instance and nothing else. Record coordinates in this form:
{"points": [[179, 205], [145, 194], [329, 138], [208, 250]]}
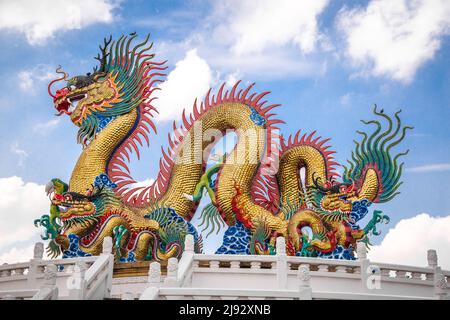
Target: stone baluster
{"points": [[322, 268], [48, 290], [432, 258], [401, 274], [364, 264], [304, 265], [281, 263], [432, 263], [38, 252], [34, 269], [172, 277], [50, 275], [154, 274], [172, 273], [154, 282], [361, 251], [19, 271], [107, 249], [386, 273], [189, 243], [5, 273], [416, 276], [186, 263], [107, 245], [341, 269], [76, 283], [440, 285], [304, 277]]}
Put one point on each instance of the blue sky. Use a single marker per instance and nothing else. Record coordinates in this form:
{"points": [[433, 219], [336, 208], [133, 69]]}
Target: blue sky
{"points": [[326, 62]]}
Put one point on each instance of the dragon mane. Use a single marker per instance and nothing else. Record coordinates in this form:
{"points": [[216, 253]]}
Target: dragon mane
{"points": [[131, 71], [375, 152]]}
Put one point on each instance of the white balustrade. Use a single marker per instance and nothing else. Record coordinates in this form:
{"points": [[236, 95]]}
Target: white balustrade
{"points": [[202, 276]]}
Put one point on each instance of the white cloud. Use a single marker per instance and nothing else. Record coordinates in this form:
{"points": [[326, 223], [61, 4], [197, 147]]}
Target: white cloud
{"points": [[21, 153], [253, 27], [345, 99], [264, 40], [191, 78], [279, 63], [232, 78], [430, 168], [20, 204], [30, 79], [407, 243], [25, 80], [15, 255], [45, 127], [394, 38], [40, 20]]}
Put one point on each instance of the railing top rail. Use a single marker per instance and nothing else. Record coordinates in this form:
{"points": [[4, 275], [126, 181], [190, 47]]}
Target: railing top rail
{"points": [[13, 266], [363, 296], [68, 260], [234, 257], [399, 267], [45, 262], [94, 271], [312, 261], [319, 261]]}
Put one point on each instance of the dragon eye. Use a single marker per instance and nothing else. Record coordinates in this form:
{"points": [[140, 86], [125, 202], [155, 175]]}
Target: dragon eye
{"points": [[343, 197]]}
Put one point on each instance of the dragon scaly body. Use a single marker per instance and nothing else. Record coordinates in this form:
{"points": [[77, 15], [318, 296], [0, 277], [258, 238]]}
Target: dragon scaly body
{"points": [[256, 189]]}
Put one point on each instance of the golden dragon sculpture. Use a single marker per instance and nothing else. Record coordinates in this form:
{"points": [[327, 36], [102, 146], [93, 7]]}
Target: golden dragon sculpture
{"points": [[258, 189]]}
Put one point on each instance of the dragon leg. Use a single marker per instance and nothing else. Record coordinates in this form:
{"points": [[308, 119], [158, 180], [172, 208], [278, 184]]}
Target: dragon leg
{"points": [[121, 236], [371, 227], [173, 250], [206, 182], [309, 218]]}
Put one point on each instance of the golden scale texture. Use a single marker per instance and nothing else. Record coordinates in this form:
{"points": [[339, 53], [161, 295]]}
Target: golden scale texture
{"points": [[239, 170], [288, 175]]}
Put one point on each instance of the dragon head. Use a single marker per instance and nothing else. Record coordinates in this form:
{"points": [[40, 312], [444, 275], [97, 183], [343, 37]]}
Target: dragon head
{"points": [[373, 175], [340, 197], [119, 85], [83, 215], [78, 214], [335, 196]]}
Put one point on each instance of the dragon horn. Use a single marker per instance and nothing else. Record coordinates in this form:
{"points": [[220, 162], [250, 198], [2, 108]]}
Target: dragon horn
{"points": [[64, 77], [316, 183], [334, 188]]}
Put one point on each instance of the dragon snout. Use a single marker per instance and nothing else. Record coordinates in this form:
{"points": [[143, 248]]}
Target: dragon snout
{"points": [[62, 104]]}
